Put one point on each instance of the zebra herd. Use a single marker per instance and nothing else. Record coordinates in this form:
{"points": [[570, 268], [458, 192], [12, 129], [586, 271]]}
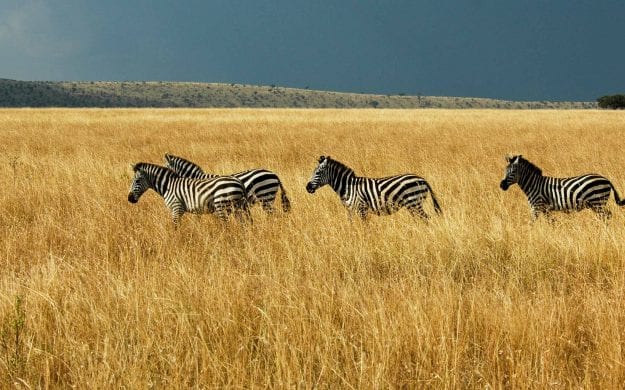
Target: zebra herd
{"points": [[185, 187]]}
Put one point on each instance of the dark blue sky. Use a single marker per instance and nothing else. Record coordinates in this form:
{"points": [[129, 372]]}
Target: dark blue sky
{"points": [[519, 50]]}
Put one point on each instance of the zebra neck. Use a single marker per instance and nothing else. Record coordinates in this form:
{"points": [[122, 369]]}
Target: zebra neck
{"points": [[341, 183], [160, 181], [530, 182]]}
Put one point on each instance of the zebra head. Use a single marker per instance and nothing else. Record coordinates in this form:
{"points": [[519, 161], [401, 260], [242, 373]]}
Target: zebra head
{"points": [[140, 184], [320, 176], [512, 172]]}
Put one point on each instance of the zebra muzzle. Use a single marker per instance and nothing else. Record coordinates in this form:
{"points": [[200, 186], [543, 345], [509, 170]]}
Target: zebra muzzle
{"points": [[504, 185], [131, 198], [310, 188]]}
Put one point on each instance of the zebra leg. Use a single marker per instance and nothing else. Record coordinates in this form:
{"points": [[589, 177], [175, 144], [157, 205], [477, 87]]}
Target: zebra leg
{"points": [[357, 210], [242, 212], [222, 214], [247, 215], [544, 211], [598, 205], [548, 216], [222, 210], [363, 213], [602, 212], [538, 209], [417, 211], [605, 214], [268, 205], [175, 216], [177, 210]]}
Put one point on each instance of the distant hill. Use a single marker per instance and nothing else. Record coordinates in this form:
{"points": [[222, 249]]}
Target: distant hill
{"points": [[15, 93]]}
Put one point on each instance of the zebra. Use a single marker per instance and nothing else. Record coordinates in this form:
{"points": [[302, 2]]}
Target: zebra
{"points": [[382, 196], [221, 195], [261, 185], [546, 194]]}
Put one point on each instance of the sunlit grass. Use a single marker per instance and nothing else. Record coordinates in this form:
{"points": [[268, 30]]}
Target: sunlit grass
{"points": [[113, 295]]}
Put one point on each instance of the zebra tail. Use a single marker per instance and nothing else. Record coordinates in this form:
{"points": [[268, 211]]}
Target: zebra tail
{"points": [[286, 203], [437, 207], [617, 198]]}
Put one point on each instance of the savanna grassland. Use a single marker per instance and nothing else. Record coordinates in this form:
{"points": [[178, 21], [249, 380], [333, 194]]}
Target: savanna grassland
{"points": [[99, 293]]}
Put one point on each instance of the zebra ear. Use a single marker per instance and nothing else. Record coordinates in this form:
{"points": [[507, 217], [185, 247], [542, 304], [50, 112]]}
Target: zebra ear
{"points": [[516, 159], [135, 167], [508, 158], [321, 159], [168, 158]]}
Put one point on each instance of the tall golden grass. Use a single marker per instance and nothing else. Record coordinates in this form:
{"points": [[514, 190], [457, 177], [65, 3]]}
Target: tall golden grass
{"points": [[98, 293]]}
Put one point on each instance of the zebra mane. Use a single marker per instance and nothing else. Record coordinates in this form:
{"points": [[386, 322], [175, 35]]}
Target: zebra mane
{"points": [[182, 164], [340, 165], [530, 166], [151, 168], [170, 157]]}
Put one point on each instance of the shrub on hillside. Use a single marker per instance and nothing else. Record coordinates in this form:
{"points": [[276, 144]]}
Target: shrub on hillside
{"points": [[612, 101]]}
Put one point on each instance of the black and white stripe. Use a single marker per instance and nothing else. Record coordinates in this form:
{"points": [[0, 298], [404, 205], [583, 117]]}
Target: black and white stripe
{"points": [[381, 195], [262, 186], [546, 194], [221, 195]]}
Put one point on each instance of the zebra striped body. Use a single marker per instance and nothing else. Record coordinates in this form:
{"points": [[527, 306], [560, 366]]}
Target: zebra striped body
{"points": [[546, 194], [261, 185], [381, 196], [221, 195]]}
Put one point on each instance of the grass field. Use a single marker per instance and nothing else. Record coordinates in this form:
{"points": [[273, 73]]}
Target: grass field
{"points": [[98, 293]]}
